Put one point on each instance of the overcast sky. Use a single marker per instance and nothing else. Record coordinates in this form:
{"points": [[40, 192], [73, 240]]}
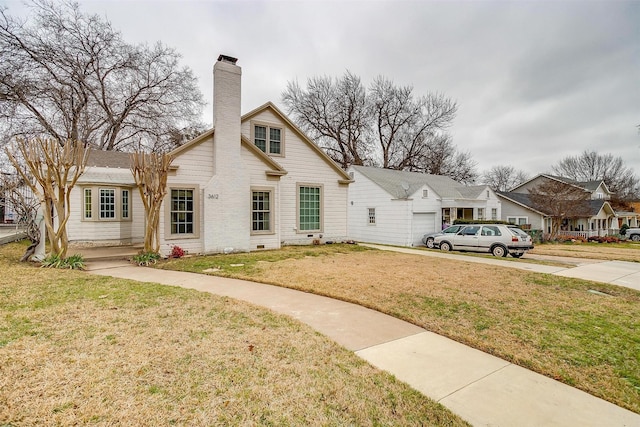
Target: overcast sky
{"points": [[535, 81]]}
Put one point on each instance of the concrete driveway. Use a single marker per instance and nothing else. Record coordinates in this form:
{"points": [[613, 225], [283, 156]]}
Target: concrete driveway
{"points": [[621, 273]]}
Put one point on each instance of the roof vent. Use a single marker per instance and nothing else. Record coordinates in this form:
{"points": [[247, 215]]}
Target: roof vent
{"points": [[229, 59]]}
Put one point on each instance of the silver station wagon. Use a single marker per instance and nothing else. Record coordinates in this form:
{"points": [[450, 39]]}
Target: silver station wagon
{"points": [[497, 239]]}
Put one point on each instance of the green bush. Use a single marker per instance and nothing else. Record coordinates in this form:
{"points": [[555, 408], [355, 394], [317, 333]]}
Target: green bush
{"points": [[146, 258], [74, 262], [480, 221], [623, 229]]}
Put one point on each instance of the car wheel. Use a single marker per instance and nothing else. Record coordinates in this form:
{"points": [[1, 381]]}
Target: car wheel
{"points": [[499, 251], [429, 243], [445, 246], [636, 237]]}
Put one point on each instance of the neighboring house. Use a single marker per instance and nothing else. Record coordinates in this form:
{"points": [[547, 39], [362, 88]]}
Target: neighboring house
{"points": [[252, 182], [597, 219], [397, 207]]}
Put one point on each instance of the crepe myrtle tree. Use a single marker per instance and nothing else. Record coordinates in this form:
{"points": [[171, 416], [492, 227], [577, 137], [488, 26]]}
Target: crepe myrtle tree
{"points": [[65, 74], [50, 168]]}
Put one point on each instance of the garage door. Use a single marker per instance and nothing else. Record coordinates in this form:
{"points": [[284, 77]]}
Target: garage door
{"points": [[423, 222]]}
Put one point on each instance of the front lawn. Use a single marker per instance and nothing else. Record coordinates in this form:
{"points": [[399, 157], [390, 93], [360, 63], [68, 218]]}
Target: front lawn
{"points": [[77, 349], [623, 251], [553, 325]]}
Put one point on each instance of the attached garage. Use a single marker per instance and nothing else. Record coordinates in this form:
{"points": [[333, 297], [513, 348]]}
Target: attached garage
{"points": [[422, 223]]}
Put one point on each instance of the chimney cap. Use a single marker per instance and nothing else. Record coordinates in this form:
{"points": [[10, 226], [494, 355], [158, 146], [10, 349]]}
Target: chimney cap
{"points": [[226, 58]]}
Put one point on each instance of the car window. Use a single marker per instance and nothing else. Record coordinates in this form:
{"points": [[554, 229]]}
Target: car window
{"points": [[470, 231], [452, 229], [517, 231], [490, 230]]}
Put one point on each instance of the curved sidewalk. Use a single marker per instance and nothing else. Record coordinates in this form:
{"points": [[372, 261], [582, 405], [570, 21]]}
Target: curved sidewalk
{"points": [[481, 388]]}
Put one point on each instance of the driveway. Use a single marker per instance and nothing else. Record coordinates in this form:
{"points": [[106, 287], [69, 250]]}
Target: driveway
{"points": [[621, 273]]}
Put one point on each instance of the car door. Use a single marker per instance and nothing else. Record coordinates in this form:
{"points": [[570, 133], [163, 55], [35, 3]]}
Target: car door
{"points": [[489, 235], [466, 239]]}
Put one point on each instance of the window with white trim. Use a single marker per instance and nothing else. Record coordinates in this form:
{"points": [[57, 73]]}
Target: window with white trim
{"points": [[182, 211], [480, 213], [518, 220], [494, 213], [88, 204], [261, 211], [425, 194], [268, 139], [309, 208], [107, 203], [372, 216], [124, 197]]}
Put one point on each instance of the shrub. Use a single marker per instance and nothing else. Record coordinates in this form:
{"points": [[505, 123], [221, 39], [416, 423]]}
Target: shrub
{"points": [[623, 229], [146, 258], [74, 262], [176, 252]]}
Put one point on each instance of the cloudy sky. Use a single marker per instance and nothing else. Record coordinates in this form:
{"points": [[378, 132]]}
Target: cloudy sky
{"points": [[534, 80]]}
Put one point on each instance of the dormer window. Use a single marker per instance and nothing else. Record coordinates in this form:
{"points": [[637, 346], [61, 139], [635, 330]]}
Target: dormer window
{"points": [[268, 139]]}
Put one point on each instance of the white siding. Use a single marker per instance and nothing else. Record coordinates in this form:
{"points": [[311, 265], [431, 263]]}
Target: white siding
{"points": [[304, 165], [510, 209]]}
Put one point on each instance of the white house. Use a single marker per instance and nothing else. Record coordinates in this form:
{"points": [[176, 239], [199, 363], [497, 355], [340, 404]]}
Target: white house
{"points": [[597, 219], [252, 182], [398, 208]]}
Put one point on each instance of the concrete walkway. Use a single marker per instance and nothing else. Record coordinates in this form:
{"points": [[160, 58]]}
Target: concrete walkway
{"points": [[483, 389]]}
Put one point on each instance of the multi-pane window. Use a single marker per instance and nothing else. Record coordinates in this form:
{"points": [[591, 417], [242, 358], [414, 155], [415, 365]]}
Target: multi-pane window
{"points": [[260, 137], [125, 204], [494, 213], [309, 203], [88, 208], [425, 194], [268, 139], [261, 211], [372, 215], [518, 220], [480, 213], [107, 203], [182, 212]]}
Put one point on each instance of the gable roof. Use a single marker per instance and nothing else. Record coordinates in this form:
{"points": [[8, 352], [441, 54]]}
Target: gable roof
{"points": [[345, 178], [589, 186], [394, 182], [592, 207]]}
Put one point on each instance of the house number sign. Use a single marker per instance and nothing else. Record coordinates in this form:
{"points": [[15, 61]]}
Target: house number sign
{"points": [[213, 196]]}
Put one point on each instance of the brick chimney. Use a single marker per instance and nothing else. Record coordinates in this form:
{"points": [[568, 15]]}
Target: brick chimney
{"points": [[226, 198]]}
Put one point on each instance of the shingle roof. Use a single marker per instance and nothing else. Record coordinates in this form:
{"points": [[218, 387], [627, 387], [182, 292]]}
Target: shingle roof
{"points": [[109, 159], [592, 209], [394, 182]]}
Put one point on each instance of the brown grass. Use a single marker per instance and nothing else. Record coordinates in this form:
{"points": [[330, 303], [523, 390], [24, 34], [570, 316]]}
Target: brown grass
{"points": [[79, 349], [605, 251], [546, 323]]}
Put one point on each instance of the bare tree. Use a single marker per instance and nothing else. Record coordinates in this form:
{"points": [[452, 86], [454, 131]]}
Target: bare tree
{"points": [[70, 75], [387, 127], [560, 201], [334, 114], [17, 196], [503, 178], [150, 171], [404, 126], [591, 166], [51, 169]]}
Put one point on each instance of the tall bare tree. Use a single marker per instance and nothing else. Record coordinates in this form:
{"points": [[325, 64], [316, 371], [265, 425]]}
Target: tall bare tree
{"points": [[503, 178], [387, 126], [70, 75], [17, 196], [334, 113], [592, 166], [51, 169], [560, 201], [150, 171]]}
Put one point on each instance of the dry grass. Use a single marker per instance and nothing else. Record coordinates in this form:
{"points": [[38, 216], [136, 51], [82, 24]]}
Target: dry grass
{"points": [[605, 251], [546, 323], [78, 349]]}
